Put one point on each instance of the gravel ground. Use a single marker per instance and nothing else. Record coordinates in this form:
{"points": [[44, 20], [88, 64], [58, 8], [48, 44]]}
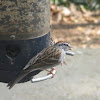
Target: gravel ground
{"points": [[78, 80]]}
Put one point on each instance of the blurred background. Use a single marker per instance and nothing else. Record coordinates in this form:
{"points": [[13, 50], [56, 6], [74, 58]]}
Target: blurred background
{"points": [[76, 21]]}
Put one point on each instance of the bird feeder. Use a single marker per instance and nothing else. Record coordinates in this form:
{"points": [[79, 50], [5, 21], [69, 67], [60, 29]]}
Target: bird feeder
{"points": [[24, 31]]}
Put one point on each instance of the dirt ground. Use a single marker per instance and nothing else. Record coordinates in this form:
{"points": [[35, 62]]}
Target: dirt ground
{"points": [[80, 29], [79, 35]]}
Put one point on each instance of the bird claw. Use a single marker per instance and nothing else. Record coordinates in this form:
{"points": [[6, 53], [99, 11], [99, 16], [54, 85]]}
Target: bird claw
{"points": [[50, 72], [64, 63]]}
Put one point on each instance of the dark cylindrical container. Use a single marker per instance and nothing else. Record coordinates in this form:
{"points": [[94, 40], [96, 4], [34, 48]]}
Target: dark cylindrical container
{"points": [[24, 31]]}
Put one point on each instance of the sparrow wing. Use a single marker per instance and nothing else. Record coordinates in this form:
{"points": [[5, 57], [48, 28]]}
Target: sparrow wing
{"points": [[33, 60], [51, 55], [48, 55]]}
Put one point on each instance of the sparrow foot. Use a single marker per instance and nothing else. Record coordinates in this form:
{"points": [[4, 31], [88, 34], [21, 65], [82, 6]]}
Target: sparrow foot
{"points": [[64, 63], [50, 72]]}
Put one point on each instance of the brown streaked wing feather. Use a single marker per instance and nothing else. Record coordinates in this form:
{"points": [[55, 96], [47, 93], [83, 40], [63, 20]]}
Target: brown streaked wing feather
{"points": [[51, 55], [32, 61], [48, 55]]}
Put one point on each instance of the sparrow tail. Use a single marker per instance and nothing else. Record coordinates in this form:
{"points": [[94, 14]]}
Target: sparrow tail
{"points": [[17, 79]]}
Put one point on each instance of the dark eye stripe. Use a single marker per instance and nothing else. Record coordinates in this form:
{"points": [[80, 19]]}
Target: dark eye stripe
{"points": [[66, 44]]}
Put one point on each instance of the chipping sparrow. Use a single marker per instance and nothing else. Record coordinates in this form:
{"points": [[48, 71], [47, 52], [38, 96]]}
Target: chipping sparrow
{"points": [[47, 58]]}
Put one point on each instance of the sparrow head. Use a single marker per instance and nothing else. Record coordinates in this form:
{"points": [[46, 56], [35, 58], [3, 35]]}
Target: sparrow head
{"points": [[63, 45]]}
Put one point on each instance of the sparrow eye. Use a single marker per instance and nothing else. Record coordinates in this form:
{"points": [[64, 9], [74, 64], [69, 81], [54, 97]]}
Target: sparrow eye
{"points": [[66, 44]]}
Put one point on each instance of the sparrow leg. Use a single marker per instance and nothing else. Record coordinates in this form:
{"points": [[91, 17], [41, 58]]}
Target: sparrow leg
{"points": [[64, 63], [50, 72], [61, 64]]}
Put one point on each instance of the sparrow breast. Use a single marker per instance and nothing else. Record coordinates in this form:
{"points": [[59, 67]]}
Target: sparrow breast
{"points": [[62, 57]]}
